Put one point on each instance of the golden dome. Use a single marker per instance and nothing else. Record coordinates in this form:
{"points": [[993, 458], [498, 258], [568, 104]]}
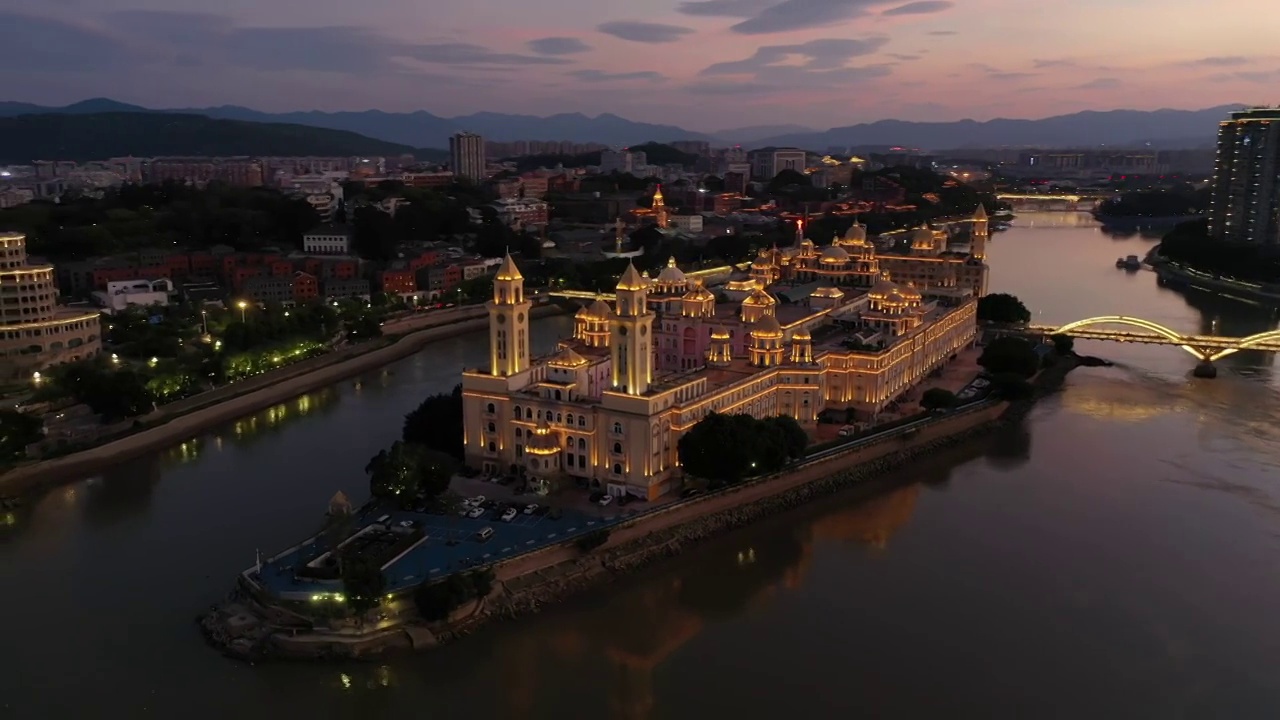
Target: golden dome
{"points": [[827, 292], [766, 327], [719, 334], [671, 274], [910, 292], [922, 238], [600, 310], [542, 442], [855, 235], [802, 334], [883, 288], [834, 255], [567, 358]]}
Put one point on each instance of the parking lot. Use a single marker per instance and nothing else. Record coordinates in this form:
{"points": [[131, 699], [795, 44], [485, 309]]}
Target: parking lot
{"points": [[451, 543]]}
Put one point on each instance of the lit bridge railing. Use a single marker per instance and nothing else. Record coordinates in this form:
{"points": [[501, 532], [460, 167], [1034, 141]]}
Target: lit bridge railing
{"points": [[1204, 347]]}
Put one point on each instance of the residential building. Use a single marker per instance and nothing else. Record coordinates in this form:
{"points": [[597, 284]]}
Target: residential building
{"points": [[466, 152], [238, 171], [268, 289], [685, 223], [120, 294], [521, 213], [327, 240], [608, 408], [306, 288], [622, 161], [346, 288], [767, 163], [1244, 205], [35, 332], [399, 279]]}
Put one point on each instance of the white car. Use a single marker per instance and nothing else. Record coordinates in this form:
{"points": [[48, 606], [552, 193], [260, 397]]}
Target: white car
{"points": [[478, 500], [508, 515], [475, 512], [606, 500], [531, 508], [406, 524]]}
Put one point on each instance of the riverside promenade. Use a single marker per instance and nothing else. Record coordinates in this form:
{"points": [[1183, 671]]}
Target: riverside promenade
{"points": [[184, 419]]}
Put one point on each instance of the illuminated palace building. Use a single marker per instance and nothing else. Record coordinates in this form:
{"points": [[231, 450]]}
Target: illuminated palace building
{"points": [[807, 331], [34, 331]]}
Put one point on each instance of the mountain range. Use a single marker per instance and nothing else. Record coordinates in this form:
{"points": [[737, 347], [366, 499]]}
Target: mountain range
{"points": [[421, 129]]}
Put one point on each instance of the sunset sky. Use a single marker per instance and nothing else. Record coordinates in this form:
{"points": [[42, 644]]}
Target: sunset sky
{"points": [[704, 65]]}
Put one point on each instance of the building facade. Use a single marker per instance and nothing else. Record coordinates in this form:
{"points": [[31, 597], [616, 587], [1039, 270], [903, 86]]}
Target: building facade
{"points": [[34, 331], [327, 240], [766, 164], [1244, 205], [467, 157], [608, 408]]}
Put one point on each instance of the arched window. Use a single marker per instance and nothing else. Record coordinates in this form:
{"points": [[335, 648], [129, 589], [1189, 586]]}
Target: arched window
{"points": [[492, 427], [557, 394], [519, 432], [559, 417], [493, 447], [582, 421], [568, 419], [617, 448], [617, 469], [582, 443], [518, 415], [490, 408], [528, 413], [617, 428]]}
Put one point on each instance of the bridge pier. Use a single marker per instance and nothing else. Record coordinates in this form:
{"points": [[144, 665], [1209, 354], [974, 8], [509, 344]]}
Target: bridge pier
{"points": [[1205, 369]]}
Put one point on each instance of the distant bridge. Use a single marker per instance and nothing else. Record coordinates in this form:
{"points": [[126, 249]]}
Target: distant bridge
{"points": [[1206, 348]]}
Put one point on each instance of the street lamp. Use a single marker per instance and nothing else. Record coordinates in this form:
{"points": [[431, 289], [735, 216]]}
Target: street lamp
{"points": [[204, 321], [242, 305]]}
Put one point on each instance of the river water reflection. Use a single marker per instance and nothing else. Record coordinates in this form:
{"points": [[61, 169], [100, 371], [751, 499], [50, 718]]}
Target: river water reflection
{"points": [[1118, 557]]}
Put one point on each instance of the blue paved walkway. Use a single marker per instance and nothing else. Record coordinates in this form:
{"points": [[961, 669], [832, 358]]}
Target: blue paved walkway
{"points": [[434, 557]]}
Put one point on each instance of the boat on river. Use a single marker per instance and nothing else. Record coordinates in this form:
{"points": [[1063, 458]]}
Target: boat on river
{"points": [[1129, 262]]}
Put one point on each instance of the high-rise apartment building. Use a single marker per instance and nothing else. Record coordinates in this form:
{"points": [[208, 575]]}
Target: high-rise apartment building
{"points": [[466, 152], [1244, 208], [767, 163]]}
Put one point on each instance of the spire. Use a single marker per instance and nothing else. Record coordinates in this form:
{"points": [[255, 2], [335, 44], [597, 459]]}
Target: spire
{"points": [[631, 279], [508, 271], [980, 213]]}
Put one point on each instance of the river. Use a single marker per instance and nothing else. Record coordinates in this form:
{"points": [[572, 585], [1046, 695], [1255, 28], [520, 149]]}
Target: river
{"points": [[1118, 556]]}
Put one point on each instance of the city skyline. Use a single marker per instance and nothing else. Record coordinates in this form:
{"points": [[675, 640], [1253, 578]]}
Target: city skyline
{"points": [[817, 63]]}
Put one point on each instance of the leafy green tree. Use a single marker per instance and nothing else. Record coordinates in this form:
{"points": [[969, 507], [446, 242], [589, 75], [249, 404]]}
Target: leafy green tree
{"points": [[938, 399], [1002, 308], [437, 424], [363, 584], [1009, 354], [17, 431], [407, 471], [732, 447]]}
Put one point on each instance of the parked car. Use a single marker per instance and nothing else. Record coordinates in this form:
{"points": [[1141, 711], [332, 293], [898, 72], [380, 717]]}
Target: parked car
{"points": [[475, 512], [484, 534], [531, 508], [406, 524], [478, 500], [604, 501], [509, 514]]}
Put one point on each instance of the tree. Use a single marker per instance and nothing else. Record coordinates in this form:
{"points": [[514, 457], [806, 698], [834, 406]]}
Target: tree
{"points": [[17, 431], [406, 470], [436, 600], [1002, 308], [1063, 344], [362, 583], [938, 399], [437, 424], [1012, 355], [1011, 386], [732, 447]]}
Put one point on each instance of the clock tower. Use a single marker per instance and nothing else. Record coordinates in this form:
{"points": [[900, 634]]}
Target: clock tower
{"points": [[508, 322]]}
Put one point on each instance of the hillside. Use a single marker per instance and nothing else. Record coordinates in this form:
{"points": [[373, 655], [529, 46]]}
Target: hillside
{"points": [[96, 136], [1121, 128]]}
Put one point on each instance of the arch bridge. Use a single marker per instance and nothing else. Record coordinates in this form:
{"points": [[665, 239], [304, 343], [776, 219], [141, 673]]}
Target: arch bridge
{"points": [[1206, 348]]}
